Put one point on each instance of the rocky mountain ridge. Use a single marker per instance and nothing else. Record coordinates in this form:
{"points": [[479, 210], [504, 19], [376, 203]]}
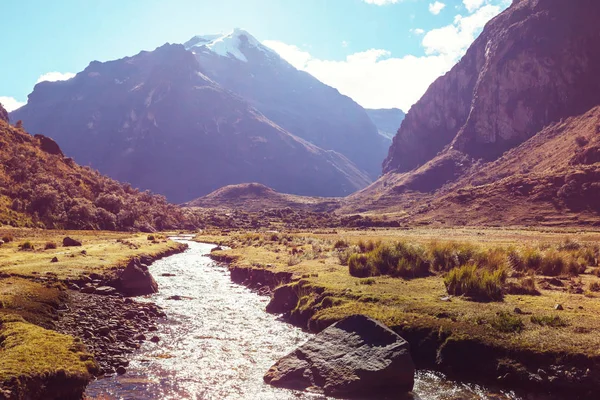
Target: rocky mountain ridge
{"points": [[157, 121], [533, 67], [293, 99]]}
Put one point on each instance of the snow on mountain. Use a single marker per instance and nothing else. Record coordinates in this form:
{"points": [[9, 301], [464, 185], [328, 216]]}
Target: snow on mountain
{"points": [[229, 45]]}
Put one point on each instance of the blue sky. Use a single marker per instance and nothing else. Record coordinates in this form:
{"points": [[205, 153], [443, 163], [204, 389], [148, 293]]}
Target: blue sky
{"points": [[383, 53]]}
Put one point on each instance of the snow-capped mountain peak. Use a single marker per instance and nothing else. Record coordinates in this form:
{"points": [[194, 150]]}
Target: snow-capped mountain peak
{"points": [[228, 45]]}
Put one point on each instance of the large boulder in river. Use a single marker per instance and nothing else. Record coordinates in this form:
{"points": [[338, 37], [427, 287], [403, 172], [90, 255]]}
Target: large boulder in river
{"points": [[354, 357], [136, 280]]}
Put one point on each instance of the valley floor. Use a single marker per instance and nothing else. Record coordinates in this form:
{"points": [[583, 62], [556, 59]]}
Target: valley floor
{"points": [[543, 336], [35, 360]]}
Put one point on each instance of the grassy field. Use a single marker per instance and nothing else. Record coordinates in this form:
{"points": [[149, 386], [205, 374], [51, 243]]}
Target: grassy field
{"points": [[516, 323], [32, 289]]}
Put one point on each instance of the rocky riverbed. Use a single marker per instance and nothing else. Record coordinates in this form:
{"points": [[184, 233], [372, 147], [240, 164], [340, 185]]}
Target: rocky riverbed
{"points": [[111, 326]]}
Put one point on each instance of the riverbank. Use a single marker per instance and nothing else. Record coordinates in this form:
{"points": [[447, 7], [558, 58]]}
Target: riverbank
{"points": [[522, 341], [36, 272]]}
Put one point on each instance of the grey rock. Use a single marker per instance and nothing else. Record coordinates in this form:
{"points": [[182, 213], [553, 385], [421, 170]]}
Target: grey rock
{"points": [[136, 280], [356, 356], [70, 242]]}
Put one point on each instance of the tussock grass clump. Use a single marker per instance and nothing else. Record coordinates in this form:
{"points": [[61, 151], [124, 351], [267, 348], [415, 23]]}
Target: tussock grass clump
{"points": [[50, 246], [476, 283], [400, 260], [549, 320], [525, 286], [358, 266], [507, 323], [8, 238], [448, 255], [340, 244], [26, 246]]}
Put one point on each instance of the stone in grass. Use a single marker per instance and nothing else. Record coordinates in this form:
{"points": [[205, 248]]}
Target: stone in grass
{"points": [[558, 307], [70, 242], [356, 356]]}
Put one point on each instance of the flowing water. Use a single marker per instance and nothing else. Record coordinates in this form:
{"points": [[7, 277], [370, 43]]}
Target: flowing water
{"points": [[217, 342]]}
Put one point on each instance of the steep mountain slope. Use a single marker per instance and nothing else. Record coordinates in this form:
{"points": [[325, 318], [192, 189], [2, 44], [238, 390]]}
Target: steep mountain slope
{"points": [[387, 120], [533, 66], [257, 197], [39, 187], [156, 121], [293, 99], [551, 179]]}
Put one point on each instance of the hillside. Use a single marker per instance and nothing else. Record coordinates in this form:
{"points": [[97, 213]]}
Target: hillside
{"points": [[40, 187], [157, 121], [511, 117], [293, 99], [252, 197]]}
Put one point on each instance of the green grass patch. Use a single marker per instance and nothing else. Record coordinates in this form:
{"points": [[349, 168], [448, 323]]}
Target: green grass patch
{"points": [[549, 320], [507, 323]]}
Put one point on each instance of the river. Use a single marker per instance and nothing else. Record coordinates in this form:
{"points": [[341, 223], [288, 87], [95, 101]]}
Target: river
{"points": [[218, 341]]}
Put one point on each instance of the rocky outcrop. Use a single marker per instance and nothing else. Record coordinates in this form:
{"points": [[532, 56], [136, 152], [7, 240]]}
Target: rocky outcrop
{"points": [[157, 121], [534, 64], [3, 114], [49, 146], [356, 356]]}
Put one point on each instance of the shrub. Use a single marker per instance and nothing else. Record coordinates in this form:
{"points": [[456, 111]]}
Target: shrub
{"points": [[151, 237], [476, 283], [7, 238], [26, 246], [358, 266], [507, 323], [50, 245], [547, 320], [340, 244]]}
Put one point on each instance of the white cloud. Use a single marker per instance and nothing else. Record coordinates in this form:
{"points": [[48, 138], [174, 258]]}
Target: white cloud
{"points": [[381, 2], [417, 31], [55, 76], [345, 43], [372, 78], [454, 39], [376, 79], [473, 5], [436, 8], [10, 103]]}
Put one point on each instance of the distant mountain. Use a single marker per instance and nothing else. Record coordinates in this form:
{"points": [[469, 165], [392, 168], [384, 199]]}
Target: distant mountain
{"points": [[509, 135], [40, 187], [293, 99], [158, 121], [387, 120], [256, 197]]}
